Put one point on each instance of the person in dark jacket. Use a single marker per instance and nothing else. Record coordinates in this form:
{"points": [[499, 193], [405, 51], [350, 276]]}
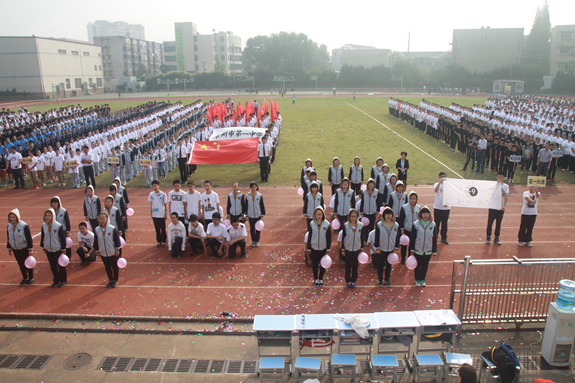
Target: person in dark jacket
{"points": [[402, 166]]}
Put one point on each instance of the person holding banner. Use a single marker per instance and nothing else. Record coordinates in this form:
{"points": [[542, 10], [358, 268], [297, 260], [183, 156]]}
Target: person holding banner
{"points": [[87, 161], [72, 164], [512, 157], [40, 166], [497, 215], [423, 244], [440, 210], [528, 215]]}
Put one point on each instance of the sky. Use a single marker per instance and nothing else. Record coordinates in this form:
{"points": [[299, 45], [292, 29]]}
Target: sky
{"points": [[381, 23]]}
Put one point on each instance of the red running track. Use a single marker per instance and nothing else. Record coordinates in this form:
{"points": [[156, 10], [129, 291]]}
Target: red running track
{"points": [[274, 278]]}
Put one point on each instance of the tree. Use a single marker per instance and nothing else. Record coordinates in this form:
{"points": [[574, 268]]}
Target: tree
{"points": [[141, 71], [538, 45], [121, 87], [138, 87], [163, 68], [219, 67], [409, 71]]}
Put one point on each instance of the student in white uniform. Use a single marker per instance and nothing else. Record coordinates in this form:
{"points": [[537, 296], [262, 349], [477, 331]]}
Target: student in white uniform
{"points": [[209, 204], [236, 236], [177, 201], [176, 236], [85, 248], [441, 211], [497, 215], [196, 235], [528, 215]]}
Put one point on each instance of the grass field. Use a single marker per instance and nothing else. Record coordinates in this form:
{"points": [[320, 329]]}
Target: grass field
{"points": [[324, 127]]}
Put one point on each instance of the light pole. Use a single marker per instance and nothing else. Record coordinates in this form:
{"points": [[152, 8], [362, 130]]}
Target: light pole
{"points": [[312, 78], [185, 81], [283, 80], [253, 81], [400, 79], [168, 82]]}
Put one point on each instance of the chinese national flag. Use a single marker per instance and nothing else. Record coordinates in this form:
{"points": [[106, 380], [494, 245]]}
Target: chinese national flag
{"points": [[222, 152]]}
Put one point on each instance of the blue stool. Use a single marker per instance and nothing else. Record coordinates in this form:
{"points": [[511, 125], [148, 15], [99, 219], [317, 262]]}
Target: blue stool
{"points": [[345, 362], [454, 361], [307, 366], [274, 368], [429, 366], [384, 367]]}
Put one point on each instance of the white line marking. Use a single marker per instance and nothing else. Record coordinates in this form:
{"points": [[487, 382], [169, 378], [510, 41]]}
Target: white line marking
{"points": [[222, 287], [35, 235], [405, 139]]}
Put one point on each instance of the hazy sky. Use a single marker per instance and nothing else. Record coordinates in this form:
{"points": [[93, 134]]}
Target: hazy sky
{"points": [[383, 24]]}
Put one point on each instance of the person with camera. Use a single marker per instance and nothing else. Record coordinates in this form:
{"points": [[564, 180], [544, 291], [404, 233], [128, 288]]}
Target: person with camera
{"points": [[471, 152]]}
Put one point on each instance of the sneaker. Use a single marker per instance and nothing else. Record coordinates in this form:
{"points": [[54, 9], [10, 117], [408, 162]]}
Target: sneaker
{"points": [[321, 283], [244, 255], [388, 283], [54, 284], [24, 281], [35, 187], [417, 284], [316, 282], [253, 244], [380, 283], [29, 282], [349, 284], [488, 240], [529, 244], [109, 284], [521, 244], [158, 245], [445, 241], [422, 283], [352, 284], [179, 257], [212, 256], [114, 284], [257, 244], [62, 284], [83, 262], [497, 241]]}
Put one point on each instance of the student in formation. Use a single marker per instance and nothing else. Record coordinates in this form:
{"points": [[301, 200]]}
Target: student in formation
{"points": [[216, 236], [264, 151], [423, 244], [196, 235], [407, 216], [351, 245], [335, 175], [85, 248], [41, 168], [356, 175], [377, 168], [528, 215], [318, 244], [441, 211], [210, 203], [497, 215], [402, 166], [176, 236], [255, 210], [74, 170], [386, 241], [107, 245], [147, 169], [398, 198], [370, 203], [193, 198], [48, 166], [53, 242], [312, 177], [114, 214], [121, 206], [158, 212], [308, 165], [389, 189], [312, 200], [235, 206], [61, 215], [92, 206], [381, 181], [20, 244], [58, 161], [177, 202], [33, 169], [343, 203], [236, 236]]}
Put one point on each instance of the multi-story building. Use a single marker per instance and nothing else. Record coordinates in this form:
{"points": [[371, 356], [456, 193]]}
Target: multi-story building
{"points": [[483, 50], [122, 56], [170, 56], [50, 66], [426, 60], [562, 53], [103, 28], [360, 55]]}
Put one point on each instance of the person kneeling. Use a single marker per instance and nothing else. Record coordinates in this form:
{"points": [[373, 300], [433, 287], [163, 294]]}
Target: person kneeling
{"points": [[176, 236], [216, 236], [236, 236], [196, 235], [85, 248]]}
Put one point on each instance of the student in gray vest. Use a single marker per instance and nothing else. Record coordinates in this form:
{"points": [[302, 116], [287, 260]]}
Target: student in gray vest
{"points": [[308, 164], [255, 209], [335, 175], [61, 215], [121, 206], [53, 242], [312, 200], [351, 245], [356, 175], [407, 216], [388, 189], [376, 169], [398, 198], [312, 177], [382, 179], [107, 245], [318, 244], [386, 241], [92, 206], [423, 244], [20, 245], [235, 207], [343, 203], [369, 207]]}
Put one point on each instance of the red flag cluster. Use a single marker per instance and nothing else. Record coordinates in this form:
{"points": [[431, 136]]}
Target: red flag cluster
{"points": [[221, 110]]}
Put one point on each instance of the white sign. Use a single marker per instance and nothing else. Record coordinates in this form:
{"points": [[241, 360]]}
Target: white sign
{"points": [[236, 133], [472, 193]]}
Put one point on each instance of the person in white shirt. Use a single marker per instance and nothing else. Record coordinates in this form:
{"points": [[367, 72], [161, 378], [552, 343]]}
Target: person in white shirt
{"points": [[210, 203], [441, 211], [264, 157], [32, 168], [58, 161], [49, 166], [85, 248], [177, 201], [216, 235], [159, 214], [497, 215], [528, 215], [176, 236], [40, 168], [192, 198], [481, 150], [236, 236], [182, 155], [15, 160], [74, 170], [196, 235], [87, 161]]}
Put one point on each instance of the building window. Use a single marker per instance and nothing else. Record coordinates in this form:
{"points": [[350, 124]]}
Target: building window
{"points": [[197, 67], [62, 51], [171, 58], [170, 48], [195, 57], [562, 67], [195, 47], [78, 83], [67, 83], [86, 53], [565, 35], [221, 39], [223, 58], [90, 82], [195, 38], [564, 51], [75, 53], [222, 48], [99, 67], [95, 67], [215, 58]]}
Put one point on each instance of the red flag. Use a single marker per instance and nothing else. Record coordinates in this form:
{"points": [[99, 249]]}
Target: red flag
{"points": [[240, 151], [266, 108], [209, 114], [273, 114]]}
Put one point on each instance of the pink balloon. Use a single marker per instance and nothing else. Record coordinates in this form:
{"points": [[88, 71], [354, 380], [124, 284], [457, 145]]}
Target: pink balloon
{"points": [[69, 242], [335, 224], [122, 243], [363, 187], [392, 258], [260, 225], [381, 210], [63, 260], [122, 263], [300, 191], [227, 223], [365, 221], [404, 240], [411, 262], [326, 261], [88, 226], [362, 258], [324, 208], [30, 262], [130, 212]]}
